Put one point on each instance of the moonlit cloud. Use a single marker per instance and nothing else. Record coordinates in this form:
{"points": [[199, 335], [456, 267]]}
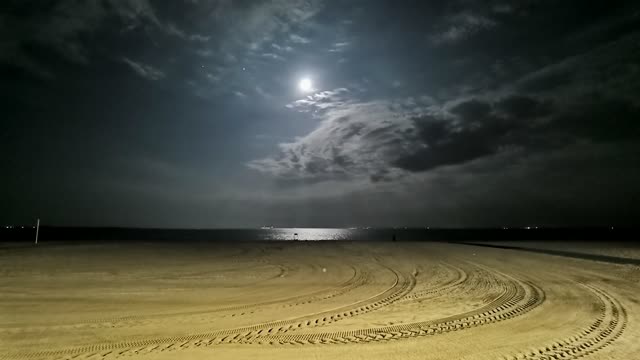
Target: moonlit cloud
{"points": [[353, 139], [321, 100]]}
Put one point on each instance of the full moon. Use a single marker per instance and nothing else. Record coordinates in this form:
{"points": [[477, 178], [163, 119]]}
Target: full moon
{"points": [[305, 85]]}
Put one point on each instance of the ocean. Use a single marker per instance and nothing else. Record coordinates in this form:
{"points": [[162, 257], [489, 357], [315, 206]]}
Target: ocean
{"points": [[51, 233]]}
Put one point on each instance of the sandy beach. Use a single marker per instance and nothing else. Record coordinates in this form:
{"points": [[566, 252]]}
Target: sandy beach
{"points": [[312, 300]]}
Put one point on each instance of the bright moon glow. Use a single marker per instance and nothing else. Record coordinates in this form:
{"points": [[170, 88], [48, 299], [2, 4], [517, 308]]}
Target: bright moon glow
{"points": [[305, 84]]}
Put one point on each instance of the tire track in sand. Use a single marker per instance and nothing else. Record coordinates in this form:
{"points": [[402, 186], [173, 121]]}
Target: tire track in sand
{"points": [[605, 329], [461, 276], [518, 298], [358, 279], [401, 286]]}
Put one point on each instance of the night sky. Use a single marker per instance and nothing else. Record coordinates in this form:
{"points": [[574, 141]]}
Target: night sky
{"points": [[319, 113]]}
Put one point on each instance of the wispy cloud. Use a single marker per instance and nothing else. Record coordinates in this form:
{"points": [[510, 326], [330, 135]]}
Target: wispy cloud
{"points": [[252, 34], [257, 23], [272, 56], [205, 52], [461, 26], [503, 8], [299, 39], [172, 29], [339, 46], [146, 71], [281, 48]]}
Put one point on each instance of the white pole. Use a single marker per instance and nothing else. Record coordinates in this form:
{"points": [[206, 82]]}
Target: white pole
{"points": [[37, 230]]}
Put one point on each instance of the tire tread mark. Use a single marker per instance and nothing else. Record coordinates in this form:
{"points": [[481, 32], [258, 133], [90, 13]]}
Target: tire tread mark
{"points": [[608, 326]]}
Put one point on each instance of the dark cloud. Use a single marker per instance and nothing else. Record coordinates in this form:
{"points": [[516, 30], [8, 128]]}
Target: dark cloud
{"points": [[472, 110], [453, 147], [600, 119], [66, 26], [511, 123], [523, 107], [477, 129], [548, 81]]}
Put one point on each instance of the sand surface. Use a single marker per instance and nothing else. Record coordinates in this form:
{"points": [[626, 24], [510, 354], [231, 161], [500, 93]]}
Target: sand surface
{"points": [[312, 300]]}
